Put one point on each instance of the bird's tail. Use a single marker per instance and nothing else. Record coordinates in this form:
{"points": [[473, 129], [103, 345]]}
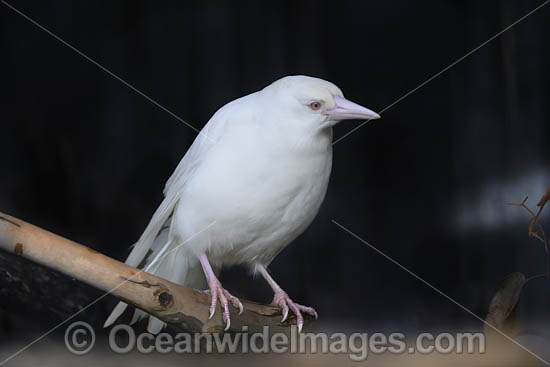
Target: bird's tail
{"points": [[163, 258]]}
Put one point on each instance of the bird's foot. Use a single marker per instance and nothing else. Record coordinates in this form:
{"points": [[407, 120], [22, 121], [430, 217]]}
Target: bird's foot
{"points": [[282, 300], [217, 292]]}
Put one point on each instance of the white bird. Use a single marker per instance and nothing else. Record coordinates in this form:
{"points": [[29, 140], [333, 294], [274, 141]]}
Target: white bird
{"points": [[252, 181]]}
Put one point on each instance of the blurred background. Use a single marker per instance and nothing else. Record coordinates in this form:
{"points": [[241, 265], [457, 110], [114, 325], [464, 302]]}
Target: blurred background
{"points": [[85, 156]]}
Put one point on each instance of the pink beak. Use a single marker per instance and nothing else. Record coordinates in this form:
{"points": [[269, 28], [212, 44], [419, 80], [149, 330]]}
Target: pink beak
{"points": [[347, 110]]}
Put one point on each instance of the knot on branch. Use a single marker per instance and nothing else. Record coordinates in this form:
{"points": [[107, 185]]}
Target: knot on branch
{"points": [[164, 299]]}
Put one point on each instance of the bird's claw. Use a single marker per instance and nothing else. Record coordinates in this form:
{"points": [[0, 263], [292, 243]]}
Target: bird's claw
{"points": [[285, 312], [217, 292], [282, 300]]}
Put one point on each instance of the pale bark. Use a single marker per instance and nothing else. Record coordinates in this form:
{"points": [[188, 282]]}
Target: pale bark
{"points": [[177, 305]]}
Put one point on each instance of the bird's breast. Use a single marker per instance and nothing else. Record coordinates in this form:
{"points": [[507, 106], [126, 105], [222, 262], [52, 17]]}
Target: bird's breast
{"points": [[260, 198]]}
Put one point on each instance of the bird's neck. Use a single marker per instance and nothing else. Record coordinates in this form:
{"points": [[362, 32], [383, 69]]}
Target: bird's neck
{"points": [[311, 142]]}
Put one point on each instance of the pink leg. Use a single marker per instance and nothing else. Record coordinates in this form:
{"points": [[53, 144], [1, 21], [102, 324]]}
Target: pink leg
{"points": [[217, 291], [282, 300]]}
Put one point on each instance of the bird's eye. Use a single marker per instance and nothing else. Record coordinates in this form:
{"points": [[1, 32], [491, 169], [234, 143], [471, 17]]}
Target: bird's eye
{"points": [[315, 105]]}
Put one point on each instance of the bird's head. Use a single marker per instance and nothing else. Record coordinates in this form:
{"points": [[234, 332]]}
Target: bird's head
{"points": [[313, 101]]}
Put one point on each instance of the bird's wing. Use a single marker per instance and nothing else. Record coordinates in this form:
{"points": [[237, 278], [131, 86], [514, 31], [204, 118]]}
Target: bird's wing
{"points": [[192, 159], [211, 133], [150, 241]]}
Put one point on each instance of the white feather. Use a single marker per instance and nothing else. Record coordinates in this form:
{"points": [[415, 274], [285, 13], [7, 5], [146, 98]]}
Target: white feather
{"points": [[250, 183], [161, 242]]}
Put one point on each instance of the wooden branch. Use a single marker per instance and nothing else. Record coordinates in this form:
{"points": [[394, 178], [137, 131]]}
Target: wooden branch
{"points": [[539, 233], [39, 294], [177, 305], [503, 304]]}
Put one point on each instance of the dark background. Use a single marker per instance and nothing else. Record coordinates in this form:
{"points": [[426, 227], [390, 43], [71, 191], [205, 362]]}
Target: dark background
{"points": [[85, 156]]}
